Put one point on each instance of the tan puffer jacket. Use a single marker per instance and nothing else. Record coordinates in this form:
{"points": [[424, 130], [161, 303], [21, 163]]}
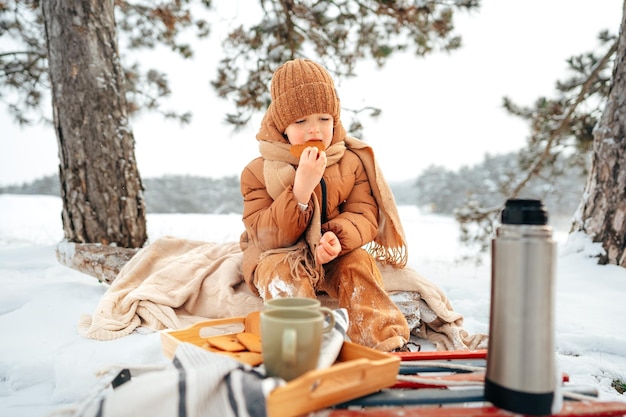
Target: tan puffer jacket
{"points": [[351, 210]]}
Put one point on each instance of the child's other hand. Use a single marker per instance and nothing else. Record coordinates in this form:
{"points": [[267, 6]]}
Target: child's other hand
{"points": [[328, 248], [309, 173]]}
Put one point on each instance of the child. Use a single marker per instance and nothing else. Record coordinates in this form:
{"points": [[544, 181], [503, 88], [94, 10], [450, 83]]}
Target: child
{"points": [[308, 217]]}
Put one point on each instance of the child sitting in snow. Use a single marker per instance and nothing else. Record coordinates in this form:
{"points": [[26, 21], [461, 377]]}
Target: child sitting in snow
{"points": [[308, 218]]}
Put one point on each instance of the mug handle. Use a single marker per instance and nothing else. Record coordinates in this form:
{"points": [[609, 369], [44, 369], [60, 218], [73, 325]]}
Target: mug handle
{"points": [[289, 347], [328, 312]]}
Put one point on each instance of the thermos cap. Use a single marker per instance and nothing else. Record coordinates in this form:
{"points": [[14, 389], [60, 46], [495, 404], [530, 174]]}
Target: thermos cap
{"points": [[524, 211]]}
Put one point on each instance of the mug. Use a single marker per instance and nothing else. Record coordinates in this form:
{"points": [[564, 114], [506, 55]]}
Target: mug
{"points": [[292, 340], [300, 303], [297, 303]]}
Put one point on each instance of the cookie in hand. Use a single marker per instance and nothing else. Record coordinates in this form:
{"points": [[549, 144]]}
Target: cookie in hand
{"points": [[296, 150]]}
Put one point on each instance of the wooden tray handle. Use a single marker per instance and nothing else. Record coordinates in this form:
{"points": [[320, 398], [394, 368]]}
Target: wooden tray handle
{"points": [[341, 378], [251, 323], [196, 328]]}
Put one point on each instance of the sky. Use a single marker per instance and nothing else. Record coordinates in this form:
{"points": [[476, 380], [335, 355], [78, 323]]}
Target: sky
{"points": [[45, 366], [449, 105]]}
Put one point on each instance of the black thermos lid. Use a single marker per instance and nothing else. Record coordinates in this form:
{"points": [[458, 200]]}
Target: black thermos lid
{"points": [[524, 211]]}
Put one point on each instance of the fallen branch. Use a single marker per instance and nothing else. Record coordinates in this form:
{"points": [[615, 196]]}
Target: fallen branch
{"points": [[100, 261]]}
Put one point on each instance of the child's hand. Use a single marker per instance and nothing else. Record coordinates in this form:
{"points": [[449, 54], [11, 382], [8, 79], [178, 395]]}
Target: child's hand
{"points": [[309, 173], [328, 248]]}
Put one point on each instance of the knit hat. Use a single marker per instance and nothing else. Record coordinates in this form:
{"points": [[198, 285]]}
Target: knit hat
{"points": [[299, 88]]}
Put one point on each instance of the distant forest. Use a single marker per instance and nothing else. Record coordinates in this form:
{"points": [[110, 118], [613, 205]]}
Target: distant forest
{"points": [[436, 190]]}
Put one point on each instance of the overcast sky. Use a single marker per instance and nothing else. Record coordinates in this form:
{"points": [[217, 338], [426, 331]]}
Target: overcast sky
{"points": [[444, 110]]}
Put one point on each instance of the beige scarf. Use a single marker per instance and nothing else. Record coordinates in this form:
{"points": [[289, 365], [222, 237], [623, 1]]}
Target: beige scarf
{"points": [[389, 246]]}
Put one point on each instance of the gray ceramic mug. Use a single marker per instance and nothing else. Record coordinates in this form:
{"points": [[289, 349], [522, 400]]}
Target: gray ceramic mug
{"points": [[300, 303], [297, 303], [292, 340]]}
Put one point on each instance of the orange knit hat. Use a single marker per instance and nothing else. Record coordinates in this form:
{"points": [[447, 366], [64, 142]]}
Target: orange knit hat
{"points": [[299, 88]]}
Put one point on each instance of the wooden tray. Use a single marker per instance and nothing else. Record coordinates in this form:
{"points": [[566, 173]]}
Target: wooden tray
{"points": [[358, 370]]}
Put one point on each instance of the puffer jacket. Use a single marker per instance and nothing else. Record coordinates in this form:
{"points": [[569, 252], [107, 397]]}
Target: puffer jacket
{"points": [[351, 210]]}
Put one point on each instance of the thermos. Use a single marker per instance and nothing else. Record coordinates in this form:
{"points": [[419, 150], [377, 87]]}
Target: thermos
{"points": [[521, 361]]}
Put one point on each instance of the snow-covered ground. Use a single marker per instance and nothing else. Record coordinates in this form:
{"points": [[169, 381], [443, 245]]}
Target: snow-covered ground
{"points": [[46, 366]]}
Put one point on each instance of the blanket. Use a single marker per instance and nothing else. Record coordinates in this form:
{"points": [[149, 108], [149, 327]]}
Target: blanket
{"points": [[174, 283], [196, 383]]}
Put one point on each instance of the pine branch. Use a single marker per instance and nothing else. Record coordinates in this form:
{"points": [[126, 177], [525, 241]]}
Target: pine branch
{"points": [[556, 133]]}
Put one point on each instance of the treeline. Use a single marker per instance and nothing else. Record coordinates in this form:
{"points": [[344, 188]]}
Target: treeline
{"points": [[436, 190], [166, 194], [560, 185]]}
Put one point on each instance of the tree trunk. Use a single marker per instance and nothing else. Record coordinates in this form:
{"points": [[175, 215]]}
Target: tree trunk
{"points": [[100, 184], [602, 211]]}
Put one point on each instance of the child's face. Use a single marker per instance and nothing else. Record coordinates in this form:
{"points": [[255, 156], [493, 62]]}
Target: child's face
{"points": [[318, 126]]}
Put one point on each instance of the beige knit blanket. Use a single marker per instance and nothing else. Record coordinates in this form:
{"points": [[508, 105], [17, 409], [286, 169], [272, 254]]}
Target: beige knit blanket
{"points": [[173, 283]]}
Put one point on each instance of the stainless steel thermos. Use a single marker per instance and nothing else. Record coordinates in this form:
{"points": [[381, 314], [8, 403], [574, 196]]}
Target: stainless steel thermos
{"points": [[521, 370]]}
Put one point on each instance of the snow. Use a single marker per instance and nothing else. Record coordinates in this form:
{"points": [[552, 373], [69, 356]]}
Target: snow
{"points": [[46, 367]]}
